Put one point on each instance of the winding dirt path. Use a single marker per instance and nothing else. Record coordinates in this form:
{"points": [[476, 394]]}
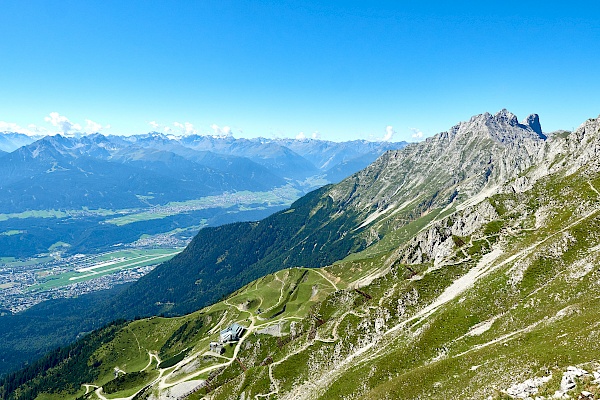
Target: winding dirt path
{"points": [[316, 271], [152, 356]]}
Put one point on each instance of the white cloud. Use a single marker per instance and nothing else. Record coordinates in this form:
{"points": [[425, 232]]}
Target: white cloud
{"points": [[389, 133], [221, 131], [314, 135], [185, 128], [62, 123], [94, 127], [178, 128], [416, 133], [12, 127], [37, 130], [31, 130], [189, 129]]}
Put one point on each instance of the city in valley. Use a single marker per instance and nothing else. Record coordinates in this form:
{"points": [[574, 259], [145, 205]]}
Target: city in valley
{"points": [[62, 273], [26, 283]]}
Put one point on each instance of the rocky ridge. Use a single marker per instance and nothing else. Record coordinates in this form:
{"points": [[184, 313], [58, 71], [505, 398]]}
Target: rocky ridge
{"points": [[473, 156]]}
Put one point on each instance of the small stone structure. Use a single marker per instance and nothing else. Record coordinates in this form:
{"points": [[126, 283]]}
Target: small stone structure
{"points": [[216, 347]]}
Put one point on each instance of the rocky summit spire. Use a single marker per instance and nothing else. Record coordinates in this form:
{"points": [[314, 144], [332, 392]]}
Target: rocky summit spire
{"points": [[533, 121]]}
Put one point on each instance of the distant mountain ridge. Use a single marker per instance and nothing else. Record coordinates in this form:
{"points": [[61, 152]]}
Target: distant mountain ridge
{"points": [[10, 141], [164, 168]]}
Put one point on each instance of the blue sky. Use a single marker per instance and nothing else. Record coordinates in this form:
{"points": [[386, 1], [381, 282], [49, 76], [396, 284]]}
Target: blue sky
{"points": [[338, 70]]}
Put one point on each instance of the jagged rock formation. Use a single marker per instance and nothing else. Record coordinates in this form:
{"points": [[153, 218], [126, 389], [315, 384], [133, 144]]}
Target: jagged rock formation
{"points": [[439, 241], [571, 378], [533, 121]]}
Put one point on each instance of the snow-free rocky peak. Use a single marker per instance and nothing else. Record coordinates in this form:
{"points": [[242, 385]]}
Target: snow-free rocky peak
{"points": [[473, 157], [533, 121], [503, 127]]}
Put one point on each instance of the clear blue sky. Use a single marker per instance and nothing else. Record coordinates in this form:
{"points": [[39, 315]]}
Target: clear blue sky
{"points": [[346, 69]]}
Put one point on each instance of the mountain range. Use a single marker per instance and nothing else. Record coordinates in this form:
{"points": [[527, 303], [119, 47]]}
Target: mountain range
{"points": [[464, 266], [126, 172], [128, 175]]}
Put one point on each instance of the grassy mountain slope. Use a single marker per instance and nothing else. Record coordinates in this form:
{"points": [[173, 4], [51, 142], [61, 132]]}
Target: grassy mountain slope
{"points": [[514, 298], [461, 296]]}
